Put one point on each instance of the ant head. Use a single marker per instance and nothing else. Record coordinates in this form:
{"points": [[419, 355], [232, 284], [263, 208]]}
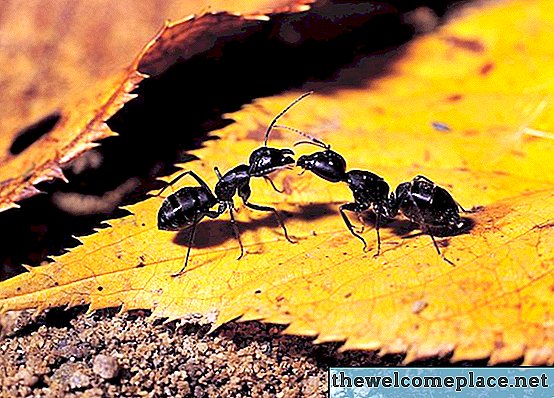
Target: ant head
{"points": [[272, 124], [326, 164], [265, 160]]}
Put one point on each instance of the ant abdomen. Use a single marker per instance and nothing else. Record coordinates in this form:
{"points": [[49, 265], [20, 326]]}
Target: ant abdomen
{"points": [[184, 208], [429, 205]]}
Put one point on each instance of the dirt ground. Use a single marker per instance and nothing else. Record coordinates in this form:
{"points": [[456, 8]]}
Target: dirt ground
{"points": [[67, 353]]}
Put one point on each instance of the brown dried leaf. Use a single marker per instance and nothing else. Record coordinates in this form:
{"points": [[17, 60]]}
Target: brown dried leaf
{"points": [[83, 116]]}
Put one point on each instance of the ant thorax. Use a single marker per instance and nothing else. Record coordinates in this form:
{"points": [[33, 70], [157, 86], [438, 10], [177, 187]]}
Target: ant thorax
{"points": [[231, 182]]}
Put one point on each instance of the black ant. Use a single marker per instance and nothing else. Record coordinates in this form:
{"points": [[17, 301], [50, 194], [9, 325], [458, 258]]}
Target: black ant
{"points": [[420, 200], [371, 192], [189, 205], [428, 205]]}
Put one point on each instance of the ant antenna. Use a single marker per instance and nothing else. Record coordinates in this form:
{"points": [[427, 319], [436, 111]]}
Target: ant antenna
{"points": [[282, 113], [313, 140], [218, 173]]}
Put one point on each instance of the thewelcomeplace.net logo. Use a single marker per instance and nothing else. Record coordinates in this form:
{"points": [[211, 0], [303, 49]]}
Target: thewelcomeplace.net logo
{"points": [[441, 382]]}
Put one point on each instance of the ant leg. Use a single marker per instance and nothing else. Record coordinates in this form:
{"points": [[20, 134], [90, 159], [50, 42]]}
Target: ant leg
{"points": [[221, 209], [191, 239], [351, 207], [244, 193], [464, 210], [272, 184], [437, 247], [391, 206], [360, 217], [235, 230], [277, 216], [188, 172], [377, 225], [434, 242]]}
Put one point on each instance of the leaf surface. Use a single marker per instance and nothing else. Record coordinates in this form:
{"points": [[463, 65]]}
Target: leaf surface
{"points": [[463, 106]]}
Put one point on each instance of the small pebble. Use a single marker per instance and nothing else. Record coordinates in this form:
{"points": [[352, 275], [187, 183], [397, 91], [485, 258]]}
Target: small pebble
{"points": [[105, 366], [78, 380], [439, 126], [419, 306], [26, 377]]}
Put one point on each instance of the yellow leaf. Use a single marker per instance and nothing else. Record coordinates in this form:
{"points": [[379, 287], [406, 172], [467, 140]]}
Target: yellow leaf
{"points": [[463, 106]]}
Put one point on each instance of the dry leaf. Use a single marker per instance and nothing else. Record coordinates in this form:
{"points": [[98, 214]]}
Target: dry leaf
{"points": [[458, 108], [62, 50], [78, 120]]}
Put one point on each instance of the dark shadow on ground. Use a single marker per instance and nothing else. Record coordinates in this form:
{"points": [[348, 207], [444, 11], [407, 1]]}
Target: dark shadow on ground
{"points": [[211, 233]]}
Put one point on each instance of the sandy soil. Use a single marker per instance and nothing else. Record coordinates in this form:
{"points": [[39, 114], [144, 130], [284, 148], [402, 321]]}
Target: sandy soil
{"points": [[71, 354]]}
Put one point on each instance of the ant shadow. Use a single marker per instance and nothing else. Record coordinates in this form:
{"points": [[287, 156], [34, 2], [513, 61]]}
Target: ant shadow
{"points": [[403, 228], [211, 233]]}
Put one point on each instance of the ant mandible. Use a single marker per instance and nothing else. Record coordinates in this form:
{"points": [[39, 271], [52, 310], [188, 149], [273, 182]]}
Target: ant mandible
{"points": [[370, 190], [189, 205], [428, 205]]}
